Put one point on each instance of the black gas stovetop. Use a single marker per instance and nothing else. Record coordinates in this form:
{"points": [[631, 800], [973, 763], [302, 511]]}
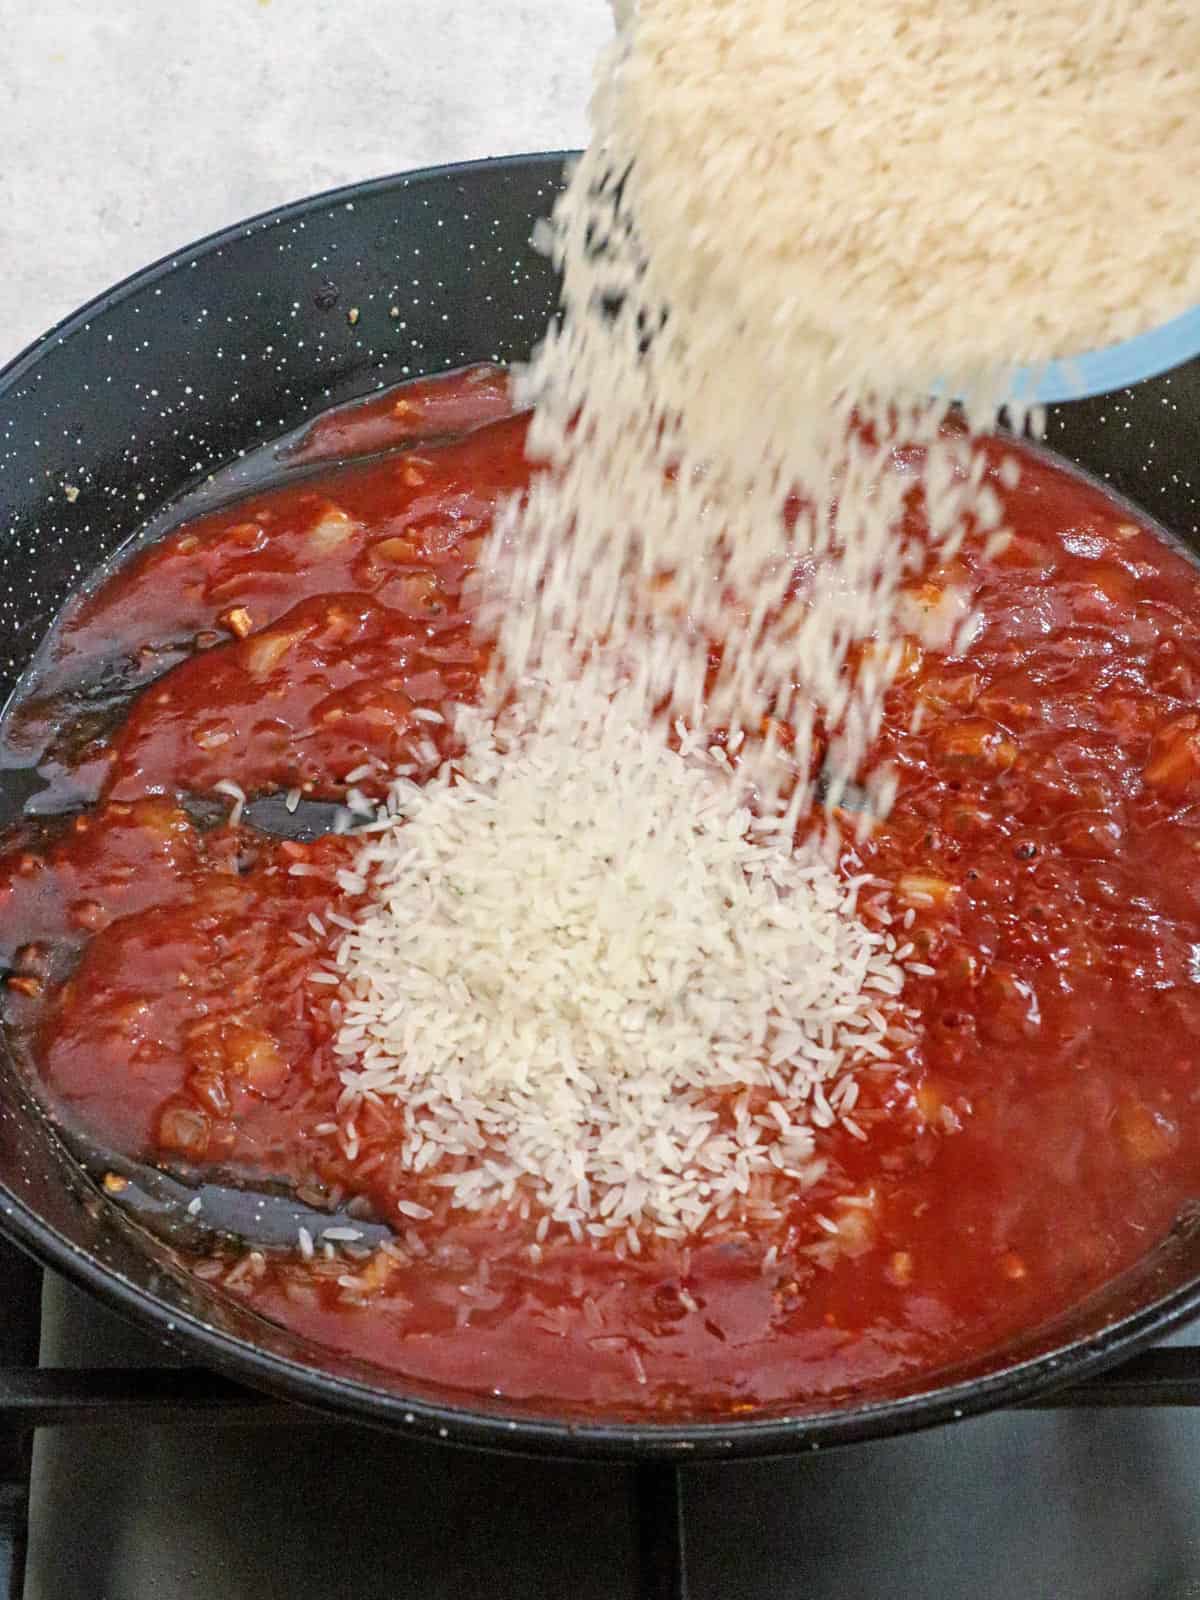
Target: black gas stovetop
{"points": [[124, 1475]]}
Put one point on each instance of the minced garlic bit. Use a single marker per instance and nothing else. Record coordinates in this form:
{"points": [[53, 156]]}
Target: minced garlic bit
{"points": [[238, 620]]}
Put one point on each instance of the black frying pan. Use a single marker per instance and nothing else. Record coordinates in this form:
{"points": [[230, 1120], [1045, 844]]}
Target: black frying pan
{"points": [[238, 340]]}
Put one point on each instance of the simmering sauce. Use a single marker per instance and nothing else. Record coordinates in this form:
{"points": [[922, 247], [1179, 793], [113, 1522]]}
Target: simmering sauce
{"points": [[1043, 1130]]}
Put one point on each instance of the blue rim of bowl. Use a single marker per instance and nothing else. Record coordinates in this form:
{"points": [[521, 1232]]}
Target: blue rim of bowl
{"points": [[1117, 366]]}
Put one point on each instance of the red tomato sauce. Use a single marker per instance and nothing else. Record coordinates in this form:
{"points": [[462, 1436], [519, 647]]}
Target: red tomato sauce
{"points": [[1044, 1130]]}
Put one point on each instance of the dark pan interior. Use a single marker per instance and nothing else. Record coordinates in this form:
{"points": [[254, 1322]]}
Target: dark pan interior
{"points": [[237, 341]]}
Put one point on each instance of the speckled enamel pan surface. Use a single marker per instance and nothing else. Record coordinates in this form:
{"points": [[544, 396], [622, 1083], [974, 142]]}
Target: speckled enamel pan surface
{"points": [[235, 341]]}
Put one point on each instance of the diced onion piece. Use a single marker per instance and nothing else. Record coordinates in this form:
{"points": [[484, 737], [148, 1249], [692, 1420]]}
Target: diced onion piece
{"points": [[333, 529]]}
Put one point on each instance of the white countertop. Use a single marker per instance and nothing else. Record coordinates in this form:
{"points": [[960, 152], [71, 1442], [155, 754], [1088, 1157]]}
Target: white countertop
{"points": [[131, 127]]}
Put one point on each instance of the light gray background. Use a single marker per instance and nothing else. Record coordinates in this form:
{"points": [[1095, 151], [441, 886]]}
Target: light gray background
{"points": [[131, 127]]}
